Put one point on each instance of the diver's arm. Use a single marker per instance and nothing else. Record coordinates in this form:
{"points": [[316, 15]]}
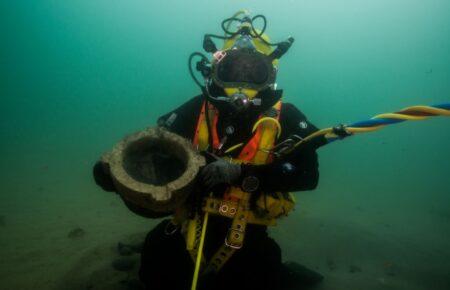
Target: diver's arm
{"points": [[183, 120], [103, 177], [296, 171], [294, 122]]}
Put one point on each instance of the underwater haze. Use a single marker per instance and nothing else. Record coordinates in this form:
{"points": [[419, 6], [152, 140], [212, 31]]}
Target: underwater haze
{"points": [[77, 76]]}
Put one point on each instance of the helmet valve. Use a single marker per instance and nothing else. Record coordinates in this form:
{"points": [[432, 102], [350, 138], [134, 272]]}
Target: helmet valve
{"points": [[219, 55]]}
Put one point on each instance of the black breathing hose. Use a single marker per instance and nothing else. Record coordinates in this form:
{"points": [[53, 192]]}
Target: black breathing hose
{"points": [[191, 72]]}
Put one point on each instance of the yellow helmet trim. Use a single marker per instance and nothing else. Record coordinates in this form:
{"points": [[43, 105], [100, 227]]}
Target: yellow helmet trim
{"points": [[260, 45], [250, 93]]}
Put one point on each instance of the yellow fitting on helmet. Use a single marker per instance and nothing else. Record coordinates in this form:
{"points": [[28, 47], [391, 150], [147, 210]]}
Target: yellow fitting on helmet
{"points": [[250, 93], [259, 44]]}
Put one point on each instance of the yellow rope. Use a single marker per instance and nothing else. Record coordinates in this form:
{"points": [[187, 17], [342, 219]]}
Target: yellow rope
{"points": [[200, 252], [232, 148], [399, 116], [426, 109], [313, 135], [270, 119], [363, 130]]}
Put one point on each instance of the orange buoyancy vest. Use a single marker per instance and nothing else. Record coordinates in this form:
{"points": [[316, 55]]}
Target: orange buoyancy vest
{"points": [[257, 150], [235, 202]]}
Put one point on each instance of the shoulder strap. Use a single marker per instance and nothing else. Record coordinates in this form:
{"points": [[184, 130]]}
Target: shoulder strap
{"points": [[266, 130], [201, 137]]}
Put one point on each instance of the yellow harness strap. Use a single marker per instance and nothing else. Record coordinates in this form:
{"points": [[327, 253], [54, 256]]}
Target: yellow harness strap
{"points": [[235, 237], [193, 238], [237, 209], [270, 130], [202, 128], [228, 209]]}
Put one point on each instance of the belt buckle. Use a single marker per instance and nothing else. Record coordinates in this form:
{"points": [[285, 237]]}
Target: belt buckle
{"points": [[236, 235], [227, 209]]}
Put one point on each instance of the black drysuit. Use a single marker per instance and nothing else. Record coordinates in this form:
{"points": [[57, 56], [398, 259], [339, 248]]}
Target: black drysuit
{"points": [[165, 262]]}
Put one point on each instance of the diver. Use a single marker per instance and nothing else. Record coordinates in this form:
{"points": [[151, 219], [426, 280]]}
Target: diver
{"points": [[244, 130]]}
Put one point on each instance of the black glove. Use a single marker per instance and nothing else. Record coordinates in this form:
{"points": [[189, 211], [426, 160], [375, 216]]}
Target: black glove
{"points": [[102, 177], [218, 172]]}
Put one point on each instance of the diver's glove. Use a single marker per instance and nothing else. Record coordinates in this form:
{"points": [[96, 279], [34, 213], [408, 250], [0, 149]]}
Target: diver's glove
{"points": [[102, 177], [219, 172]]}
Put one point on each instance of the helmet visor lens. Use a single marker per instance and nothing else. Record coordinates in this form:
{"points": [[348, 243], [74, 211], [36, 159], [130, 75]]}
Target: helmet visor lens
{"points": [[244, 66]]}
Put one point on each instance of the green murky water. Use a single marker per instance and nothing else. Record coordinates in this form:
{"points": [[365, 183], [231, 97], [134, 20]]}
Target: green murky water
{"points": [[76, 76]]}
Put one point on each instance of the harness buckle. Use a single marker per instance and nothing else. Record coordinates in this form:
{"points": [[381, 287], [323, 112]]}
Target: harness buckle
{"points": [[228, 208], [286, 146], [170, 228], [234, 239]]}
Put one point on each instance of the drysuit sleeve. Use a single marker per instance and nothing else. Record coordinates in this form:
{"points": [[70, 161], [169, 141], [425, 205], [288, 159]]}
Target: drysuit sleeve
{"points": [[183, 120], [296, 171]]}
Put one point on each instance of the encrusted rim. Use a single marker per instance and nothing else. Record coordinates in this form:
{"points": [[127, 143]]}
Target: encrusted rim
{"points": [[166, 192]]}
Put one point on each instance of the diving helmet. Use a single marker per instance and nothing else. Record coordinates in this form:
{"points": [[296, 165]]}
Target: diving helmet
{"points": [[242, 74]]}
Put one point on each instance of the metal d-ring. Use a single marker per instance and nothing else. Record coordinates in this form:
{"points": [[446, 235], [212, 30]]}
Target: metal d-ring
{"points": [[171, 228]]}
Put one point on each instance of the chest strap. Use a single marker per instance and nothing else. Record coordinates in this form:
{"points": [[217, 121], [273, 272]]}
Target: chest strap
{"points": [[228, 209], [236, 233]]}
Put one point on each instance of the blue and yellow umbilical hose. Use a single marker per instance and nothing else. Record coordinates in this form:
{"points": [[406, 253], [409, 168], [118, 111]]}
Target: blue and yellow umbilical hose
{"points": [[377, 122]]}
